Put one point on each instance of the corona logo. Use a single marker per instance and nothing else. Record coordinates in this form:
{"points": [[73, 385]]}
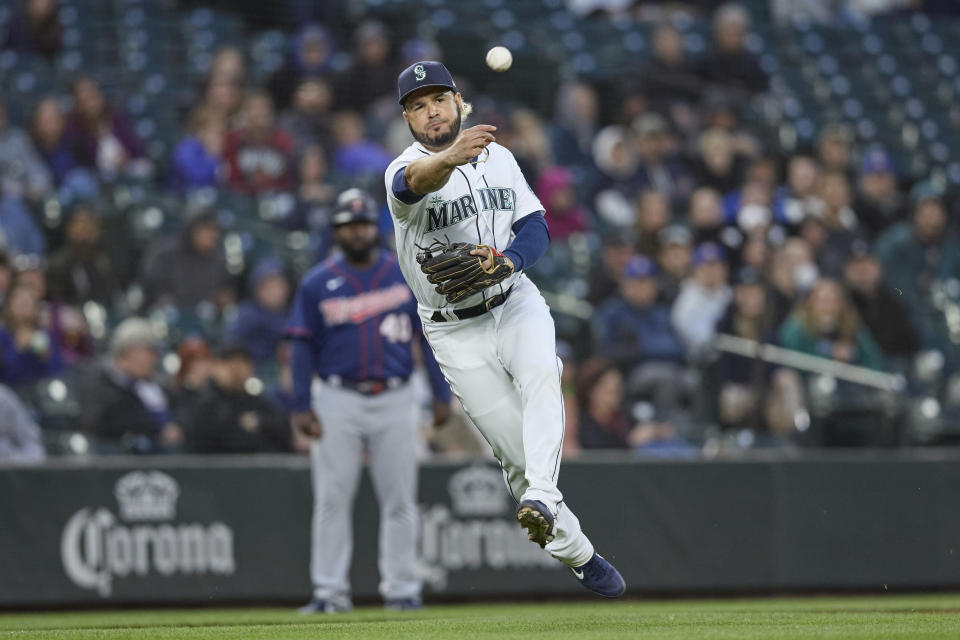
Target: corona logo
{"points": [[97, 547]]}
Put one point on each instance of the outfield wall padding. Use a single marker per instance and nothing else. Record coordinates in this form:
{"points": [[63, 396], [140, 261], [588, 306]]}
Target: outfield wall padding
{"points": [[200, 530]]}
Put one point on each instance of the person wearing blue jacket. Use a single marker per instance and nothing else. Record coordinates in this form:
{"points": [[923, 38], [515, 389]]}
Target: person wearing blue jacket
{"points": [[633, 330]]}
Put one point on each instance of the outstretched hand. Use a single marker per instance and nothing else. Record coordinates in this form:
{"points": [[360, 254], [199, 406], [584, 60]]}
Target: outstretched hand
{"points": [[470, 143], [487, 260]]}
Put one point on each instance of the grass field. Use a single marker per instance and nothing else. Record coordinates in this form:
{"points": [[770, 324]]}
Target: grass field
{"points": [[913, 617]]}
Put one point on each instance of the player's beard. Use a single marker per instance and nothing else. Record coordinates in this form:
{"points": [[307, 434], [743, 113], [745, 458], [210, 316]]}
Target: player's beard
{"points": [[441, 140], [359, 253]]}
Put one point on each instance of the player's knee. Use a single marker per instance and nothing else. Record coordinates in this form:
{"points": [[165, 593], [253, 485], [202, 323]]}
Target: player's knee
{"points": [[541, 375]]}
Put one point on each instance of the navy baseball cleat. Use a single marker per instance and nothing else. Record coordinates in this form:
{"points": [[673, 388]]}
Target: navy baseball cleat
{"points": [[403, 604], [536, 518], [317, 605], [601, 577]]}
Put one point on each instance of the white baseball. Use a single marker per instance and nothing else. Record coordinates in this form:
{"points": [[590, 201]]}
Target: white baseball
{"points": [[499, 58]]}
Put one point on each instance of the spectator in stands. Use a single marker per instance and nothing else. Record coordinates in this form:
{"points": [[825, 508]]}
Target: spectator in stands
{"points": [[371, 73], [188, 269], [751, 207], [633, 327], [259, 156], [198, 158], [879, 204], [81, 269], [228, 418], [633, 331], [917, 254], [606, 273], [23, 172], [19, 232], [531, 142], [717, 164], [101, 135], [705, 216], [826, 324], [223, 98], [196, 367], [603, 422], [21, 441], [653, 216], [310, 58], [555, 189], [576, 120], [882, 311], [124, 407], [259, 325], [316, 193], [832, 233], [674, 260], [228, 65], [36, 28], [616, 183], [799, 196], [49, 136], [730, 67], [668, 80], [702, 301], [309, 121], [357, 156], [66, 324], [658, 166], [28, 350], [793, 272], [743, 380], [834, 152], [6, 274]]}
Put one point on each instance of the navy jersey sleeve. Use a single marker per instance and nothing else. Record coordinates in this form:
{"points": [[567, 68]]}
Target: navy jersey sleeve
{"points": [[305, 326], [305, 320], [401, 190], [530, 242]]}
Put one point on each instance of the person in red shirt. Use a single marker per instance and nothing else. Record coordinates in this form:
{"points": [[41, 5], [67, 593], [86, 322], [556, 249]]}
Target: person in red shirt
{"points": [[259, 156]]}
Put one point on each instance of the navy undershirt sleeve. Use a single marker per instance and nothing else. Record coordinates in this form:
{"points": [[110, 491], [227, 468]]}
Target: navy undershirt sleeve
{"points": [[301, 363], [401, 190], [530, 242]]}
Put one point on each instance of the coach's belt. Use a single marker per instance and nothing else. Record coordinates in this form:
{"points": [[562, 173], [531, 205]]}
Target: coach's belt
{"points": [[476, 310], [366, 387]]}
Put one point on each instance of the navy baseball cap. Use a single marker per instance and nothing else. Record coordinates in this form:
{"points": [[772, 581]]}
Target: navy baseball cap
{"points": [[640, 267], [707, 252], [876, 160], [426, 73], [354, 205]]}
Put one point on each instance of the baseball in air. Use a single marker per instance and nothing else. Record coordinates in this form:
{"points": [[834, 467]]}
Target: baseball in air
{"points": [[499, 58]]}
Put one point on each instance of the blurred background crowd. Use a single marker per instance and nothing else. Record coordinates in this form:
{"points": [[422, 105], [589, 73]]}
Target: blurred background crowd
{"points": [[777, 171]]}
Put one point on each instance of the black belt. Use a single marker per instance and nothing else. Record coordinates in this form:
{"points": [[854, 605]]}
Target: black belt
{"points": [[366, 387], [475, 310]]}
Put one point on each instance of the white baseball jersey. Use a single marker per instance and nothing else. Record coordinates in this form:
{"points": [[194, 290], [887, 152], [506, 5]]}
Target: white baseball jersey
{"points": [[502, 364], [479, 204]]}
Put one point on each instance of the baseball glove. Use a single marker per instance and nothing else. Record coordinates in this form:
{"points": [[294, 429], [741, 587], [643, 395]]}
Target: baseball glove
{"points": [[457, 274]]}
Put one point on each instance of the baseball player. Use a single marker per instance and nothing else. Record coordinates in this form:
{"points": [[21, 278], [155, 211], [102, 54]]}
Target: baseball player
{"points": [[467, 225], [353, 322]]}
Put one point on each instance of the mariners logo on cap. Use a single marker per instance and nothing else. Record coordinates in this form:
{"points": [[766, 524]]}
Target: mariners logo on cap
{"points": [[419, 72]]}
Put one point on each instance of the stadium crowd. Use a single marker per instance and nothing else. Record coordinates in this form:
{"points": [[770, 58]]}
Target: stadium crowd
{"points": [[675, 209]]}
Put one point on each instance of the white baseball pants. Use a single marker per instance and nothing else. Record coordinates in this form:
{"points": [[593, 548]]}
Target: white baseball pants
{"points": [[386, 425], [503, 366]]}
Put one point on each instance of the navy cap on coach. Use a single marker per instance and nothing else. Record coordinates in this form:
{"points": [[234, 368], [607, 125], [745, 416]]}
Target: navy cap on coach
{"points": [[426, 73], [354, 205]]}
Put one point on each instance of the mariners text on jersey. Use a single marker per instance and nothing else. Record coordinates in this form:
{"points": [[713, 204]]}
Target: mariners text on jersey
{"points": [[444, 213], [480, 203]]}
